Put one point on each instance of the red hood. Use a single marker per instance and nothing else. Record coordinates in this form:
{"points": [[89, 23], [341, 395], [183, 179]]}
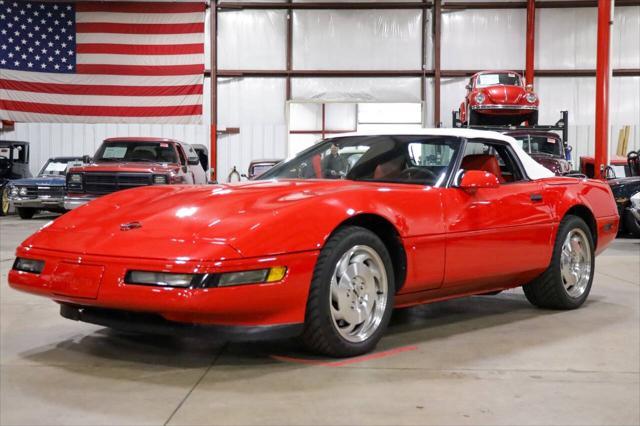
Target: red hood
{"points": [[508, 95], [131, 167], [208, 222]]}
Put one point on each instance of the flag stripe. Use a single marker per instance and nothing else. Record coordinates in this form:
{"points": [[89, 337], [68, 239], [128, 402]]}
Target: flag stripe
{"points": [[101, 111], [103, 101], [105, 90], [139, 7], [156, 39], [99, 80], [140, 18], [141, 49], [54, 118], [147, 29], [140, 69], [158, 61]]}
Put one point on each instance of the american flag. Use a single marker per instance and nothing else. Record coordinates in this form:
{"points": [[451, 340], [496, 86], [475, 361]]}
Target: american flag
{"points": [[101, 62]]}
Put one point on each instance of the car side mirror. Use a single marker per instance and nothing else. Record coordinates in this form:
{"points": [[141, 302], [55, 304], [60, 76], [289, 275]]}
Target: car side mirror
{"points": [[86, 159], [193, 161], [529, 87], [468, 87], [472, 180]]}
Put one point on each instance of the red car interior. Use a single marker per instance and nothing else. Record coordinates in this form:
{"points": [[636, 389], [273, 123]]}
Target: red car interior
{"points": [[484, 162]]}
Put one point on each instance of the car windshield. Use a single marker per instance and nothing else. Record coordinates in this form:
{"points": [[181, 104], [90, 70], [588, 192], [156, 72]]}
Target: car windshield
{"points": [[58, 167], [424, 160], [541, 144], [503, 78], [152, 152]]}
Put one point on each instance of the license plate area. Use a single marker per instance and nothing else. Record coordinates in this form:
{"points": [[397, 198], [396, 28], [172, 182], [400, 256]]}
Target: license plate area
{"points": [[77, 280]]}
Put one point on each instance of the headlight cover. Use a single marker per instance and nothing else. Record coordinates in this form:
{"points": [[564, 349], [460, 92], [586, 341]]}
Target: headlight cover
{"points": [[14, 191], [22, 191], [258, 276], [32, 266], [531, 98], [75, 178], [228, 279], [480, 98]]}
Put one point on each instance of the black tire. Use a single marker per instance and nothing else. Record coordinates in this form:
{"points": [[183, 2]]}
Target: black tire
{"points": [[26, 212], [4, 200], [533, 119], [548, 290], [320, 333], [631, 224]]}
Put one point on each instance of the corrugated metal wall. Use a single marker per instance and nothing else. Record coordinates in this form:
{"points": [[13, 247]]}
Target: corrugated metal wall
{"points": [[381, 39]]}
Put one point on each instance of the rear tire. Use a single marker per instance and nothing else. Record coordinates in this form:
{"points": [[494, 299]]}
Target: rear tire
{"points": [[474, 118], [533, 119], [26, 212], [567, 281], [351, 295]]}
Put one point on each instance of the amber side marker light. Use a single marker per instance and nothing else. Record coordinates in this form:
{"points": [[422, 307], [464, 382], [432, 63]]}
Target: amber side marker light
{"points": [[28, 265]]}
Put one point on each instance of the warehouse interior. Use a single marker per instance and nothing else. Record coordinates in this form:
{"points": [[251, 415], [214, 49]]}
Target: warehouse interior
{"points": [[278, 78]]}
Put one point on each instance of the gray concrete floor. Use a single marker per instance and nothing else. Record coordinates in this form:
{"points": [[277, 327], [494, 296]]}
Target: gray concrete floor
{"points": [[480, 360]]}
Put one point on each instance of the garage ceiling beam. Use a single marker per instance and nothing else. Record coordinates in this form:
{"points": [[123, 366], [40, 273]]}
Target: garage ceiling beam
{"points": [[543, 4], [317, 5], [620, 72]]}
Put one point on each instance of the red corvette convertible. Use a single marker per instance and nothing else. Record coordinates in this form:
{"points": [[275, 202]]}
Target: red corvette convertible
{"points": [[326, 244]]}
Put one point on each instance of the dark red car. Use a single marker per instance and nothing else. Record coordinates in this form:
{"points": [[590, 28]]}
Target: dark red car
{"points": [[499, 97], [546, 148], [123, 163]]}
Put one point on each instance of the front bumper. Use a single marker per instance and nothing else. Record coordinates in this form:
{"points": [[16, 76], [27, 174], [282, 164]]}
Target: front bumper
{"points": [[92, 281], [73, 202], [38, 203], [505, 109], [155, 324]]}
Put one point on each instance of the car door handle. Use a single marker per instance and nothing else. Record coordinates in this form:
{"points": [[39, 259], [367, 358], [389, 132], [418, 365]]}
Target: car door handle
{"points": [[536, 198]]}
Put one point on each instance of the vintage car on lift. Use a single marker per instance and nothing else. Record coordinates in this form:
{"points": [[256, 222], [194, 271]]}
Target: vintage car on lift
{"points": [[547, 148], [124, 163], [46, 191], [498, 97], [422, 216], [14, 164]]}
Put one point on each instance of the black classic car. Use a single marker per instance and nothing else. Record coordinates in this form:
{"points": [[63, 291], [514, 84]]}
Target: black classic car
{"points": [[46, 191], [14, 164]]}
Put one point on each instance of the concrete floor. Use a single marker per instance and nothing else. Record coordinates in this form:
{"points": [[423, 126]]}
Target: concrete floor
{"points": [[480, 360]]}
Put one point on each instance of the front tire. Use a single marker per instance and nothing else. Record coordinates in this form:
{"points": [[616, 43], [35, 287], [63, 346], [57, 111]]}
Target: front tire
{"points": [[4, 201], [567, 281], [26, 212], [351, 295]]}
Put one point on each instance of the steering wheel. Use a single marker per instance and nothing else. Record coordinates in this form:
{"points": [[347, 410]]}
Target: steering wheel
{"points": [[417, 173]]}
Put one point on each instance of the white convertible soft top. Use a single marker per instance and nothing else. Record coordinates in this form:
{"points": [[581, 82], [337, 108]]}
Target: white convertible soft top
{"points": [[533, 169]]}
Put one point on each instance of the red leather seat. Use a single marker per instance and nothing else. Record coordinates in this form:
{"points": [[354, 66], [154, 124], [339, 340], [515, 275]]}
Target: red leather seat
{"points": [[484, 162]]}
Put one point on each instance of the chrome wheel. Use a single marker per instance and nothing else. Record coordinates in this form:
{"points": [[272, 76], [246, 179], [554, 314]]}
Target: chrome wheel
{"points": [[358, 295], [575, 263], [5, 200]]}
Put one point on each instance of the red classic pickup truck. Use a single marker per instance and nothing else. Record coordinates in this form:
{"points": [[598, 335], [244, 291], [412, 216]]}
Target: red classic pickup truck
{"points": [[123, 163]]}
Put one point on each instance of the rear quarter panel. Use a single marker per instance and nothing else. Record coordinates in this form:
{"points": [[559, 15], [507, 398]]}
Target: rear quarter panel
{"points": [[564, 193]]}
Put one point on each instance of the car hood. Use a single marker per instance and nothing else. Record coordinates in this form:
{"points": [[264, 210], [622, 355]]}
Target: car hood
{"points": [[557, 165], [126, 167], [245, 219], [504, 94], [41, 181]]}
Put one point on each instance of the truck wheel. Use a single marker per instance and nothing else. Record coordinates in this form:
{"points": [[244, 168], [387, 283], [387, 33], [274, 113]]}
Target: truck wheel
{"points": [[26, 212], [351, 295], [4, 201], [533, 119], [567, 281], [631, 224]]}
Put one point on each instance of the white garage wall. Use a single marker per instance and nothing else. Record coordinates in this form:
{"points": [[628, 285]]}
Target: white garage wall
{"points": [[382, 39]]}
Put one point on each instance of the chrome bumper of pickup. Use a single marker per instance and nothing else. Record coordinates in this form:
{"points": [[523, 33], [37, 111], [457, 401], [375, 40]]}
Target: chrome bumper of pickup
{"points": [[71, 203]]}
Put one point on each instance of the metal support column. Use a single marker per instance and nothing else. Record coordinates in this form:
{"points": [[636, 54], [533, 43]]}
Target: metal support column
{"points": [[603, 75], [531, 40]]}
